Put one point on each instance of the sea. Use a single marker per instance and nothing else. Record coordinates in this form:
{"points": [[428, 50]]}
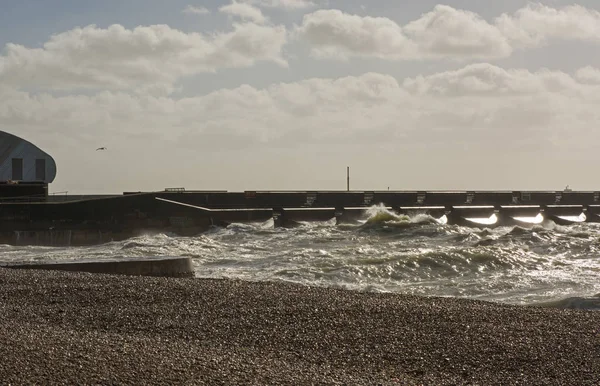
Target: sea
{"points": [[547, 264]]}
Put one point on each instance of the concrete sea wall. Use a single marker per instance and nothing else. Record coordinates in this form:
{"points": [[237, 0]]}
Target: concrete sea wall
{"points": [[93, 220]]}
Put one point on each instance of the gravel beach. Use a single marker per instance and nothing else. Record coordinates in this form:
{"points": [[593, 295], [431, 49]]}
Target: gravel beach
{"points": [[77, 328]]}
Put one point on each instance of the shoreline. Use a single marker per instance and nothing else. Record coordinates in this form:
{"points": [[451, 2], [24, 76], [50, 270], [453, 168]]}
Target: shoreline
{"points": [[62, 327]]}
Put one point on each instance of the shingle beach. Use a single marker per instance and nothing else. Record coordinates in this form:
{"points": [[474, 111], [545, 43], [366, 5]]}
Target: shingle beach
{"points": [[78, 328]]}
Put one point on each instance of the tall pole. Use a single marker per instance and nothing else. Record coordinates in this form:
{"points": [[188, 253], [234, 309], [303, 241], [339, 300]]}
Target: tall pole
{"points": [[348, 178]]}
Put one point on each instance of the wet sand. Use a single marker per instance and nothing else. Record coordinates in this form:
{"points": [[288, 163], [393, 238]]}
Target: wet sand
{"points": [[77, 328]]}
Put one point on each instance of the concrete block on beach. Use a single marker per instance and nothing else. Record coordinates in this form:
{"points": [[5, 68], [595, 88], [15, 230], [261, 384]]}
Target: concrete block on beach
{"points": [[144, 266]]}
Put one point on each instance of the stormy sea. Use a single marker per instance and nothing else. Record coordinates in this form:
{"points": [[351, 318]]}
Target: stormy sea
{"points": [[545, 264]]}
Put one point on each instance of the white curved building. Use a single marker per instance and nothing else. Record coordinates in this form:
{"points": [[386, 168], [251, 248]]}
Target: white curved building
{"points": [[22, 161]]}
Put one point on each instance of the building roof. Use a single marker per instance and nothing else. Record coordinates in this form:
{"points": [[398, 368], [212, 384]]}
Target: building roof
{"points": [[13, 147]]}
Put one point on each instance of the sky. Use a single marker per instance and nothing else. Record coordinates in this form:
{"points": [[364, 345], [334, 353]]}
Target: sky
{"points": [[285, 94]]}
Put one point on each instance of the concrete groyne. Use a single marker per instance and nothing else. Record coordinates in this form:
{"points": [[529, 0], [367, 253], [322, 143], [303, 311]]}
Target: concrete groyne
{"points": [[148, 266]]}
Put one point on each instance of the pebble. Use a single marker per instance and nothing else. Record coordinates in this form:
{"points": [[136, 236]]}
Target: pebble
{"points": [[79, 328]]}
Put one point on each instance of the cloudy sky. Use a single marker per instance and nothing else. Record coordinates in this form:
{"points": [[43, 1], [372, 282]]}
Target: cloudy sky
{"points": [[284, 94]]}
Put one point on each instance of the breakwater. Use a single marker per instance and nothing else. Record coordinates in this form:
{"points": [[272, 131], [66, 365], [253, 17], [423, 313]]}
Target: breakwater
{"points": [[88, 220]]}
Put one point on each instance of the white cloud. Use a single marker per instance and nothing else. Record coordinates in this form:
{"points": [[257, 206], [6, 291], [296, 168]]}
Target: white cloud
{"points": [[272, 113], [445, 32], [152, 57], [448, 32], [374, 106], [120, 82], [285, 4], [588, 74], [334, 33], [483, 108], [244, 11], [487, 80], [194, 10], [536, 24]]}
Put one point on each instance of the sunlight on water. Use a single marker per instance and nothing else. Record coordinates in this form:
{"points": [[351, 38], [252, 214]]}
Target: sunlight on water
{"points": [[493, 219], [531, 220]]}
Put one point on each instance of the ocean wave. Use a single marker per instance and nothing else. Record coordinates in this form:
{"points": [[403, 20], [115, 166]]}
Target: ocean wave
{"points": [[382, 215], [386, 251], [575, 302]]}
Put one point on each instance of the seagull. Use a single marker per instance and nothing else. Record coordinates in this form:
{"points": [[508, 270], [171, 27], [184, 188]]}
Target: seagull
{"points": [[101, 148]]}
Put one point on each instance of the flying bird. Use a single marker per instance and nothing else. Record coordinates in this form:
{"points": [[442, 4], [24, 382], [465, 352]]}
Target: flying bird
{"points": [[101, 148]]}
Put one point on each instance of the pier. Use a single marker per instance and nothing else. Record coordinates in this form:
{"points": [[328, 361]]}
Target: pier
{"points": [[88, 220]]}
